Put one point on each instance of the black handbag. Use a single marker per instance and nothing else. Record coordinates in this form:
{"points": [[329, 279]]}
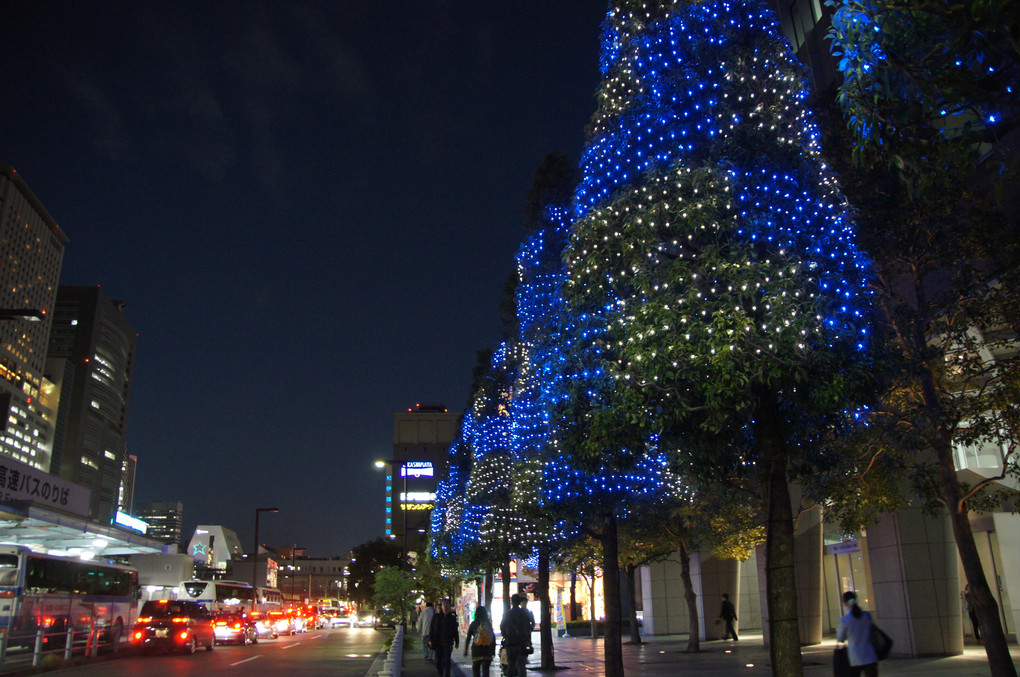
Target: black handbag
{"points": [[881, 641], [841, 662]]}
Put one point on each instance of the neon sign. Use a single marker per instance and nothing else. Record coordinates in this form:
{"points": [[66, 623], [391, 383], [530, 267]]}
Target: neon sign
{"points": [[417, 469]]}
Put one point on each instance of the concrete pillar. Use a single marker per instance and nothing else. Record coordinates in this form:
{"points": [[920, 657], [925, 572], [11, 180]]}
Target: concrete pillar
{"points": [[665, 608], [915, 576], [712, 577], [808, 551]]}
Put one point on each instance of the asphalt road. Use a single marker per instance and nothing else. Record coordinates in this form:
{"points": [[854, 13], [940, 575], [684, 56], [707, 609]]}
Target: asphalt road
{"points": [[344, 652]]}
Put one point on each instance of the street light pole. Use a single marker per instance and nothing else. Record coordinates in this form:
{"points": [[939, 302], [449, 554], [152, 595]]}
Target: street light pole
{"points": [[255, 551]]}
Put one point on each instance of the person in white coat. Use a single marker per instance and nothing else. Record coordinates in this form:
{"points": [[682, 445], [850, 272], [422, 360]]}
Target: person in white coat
{"points": [[855, 629], [424, 627]]}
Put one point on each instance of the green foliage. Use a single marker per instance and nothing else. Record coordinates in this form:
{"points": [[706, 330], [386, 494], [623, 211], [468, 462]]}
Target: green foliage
{"points": [[926, 85], [395, 589], [367, 560]]}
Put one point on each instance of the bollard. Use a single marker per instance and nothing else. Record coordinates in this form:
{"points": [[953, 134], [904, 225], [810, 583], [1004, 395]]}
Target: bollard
{"points": [[37, 654], [69, 644]]}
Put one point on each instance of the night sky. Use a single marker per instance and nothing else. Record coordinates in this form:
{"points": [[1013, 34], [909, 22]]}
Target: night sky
{"points": [[310, 209]]}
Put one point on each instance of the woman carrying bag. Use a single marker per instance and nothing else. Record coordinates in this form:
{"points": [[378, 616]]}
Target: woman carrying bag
{"points": [[482, 640], [855, 630]]}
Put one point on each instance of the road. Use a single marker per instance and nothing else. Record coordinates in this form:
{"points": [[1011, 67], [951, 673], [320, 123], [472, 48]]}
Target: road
{"points": [[344, 652]]}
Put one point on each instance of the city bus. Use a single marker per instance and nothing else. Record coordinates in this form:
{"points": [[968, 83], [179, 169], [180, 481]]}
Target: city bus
{"points": [[94, 600], [218, 595]]}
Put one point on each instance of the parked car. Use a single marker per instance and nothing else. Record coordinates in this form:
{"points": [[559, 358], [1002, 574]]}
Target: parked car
{"points": [[174, 625], [235, 627]]}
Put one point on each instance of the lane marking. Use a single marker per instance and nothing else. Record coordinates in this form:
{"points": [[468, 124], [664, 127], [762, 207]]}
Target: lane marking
{"points": [[290, 646], [245, 660]]}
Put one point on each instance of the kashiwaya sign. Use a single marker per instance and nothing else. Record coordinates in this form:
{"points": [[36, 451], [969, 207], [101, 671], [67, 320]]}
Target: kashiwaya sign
{"points": [[21, 482], [416, 469]]}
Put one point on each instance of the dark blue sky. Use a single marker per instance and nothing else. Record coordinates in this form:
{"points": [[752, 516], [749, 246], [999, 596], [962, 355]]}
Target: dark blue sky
{"points": [[310, 209]]}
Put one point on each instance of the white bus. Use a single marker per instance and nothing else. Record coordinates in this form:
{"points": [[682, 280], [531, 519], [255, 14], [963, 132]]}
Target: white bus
{"points": [[94, 600], [218, 595]]}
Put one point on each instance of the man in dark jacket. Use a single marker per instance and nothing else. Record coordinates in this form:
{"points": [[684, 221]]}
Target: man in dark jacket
{"points": [[516, 630], [728, 614], [444, 636]]}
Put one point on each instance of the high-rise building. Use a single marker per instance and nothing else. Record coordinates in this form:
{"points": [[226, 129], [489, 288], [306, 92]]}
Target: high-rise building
{"points": [[165, 520], [31, 253], [91, 361], [421, 446]]}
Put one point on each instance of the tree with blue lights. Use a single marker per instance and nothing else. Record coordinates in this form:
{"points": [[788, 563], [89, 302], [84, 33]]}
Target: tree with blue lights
{"points": [[929, 97], [713, 280]]}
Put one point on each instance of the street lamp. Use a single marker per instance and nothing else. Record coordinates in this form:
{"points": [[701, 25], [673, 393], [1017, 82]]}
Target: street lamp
{"points": [[255, 552]]}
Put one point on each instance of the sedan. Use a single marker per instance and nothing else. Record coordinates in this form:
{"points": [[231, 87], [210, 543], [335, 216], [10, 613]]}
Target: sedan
{"points": [[235, 628]]}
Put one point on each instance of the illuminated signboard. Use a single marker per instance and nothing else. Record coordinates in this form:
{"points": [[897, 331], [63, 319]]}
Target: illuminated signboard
{"points": [[418, 497], [133, 523], [417, 469]]}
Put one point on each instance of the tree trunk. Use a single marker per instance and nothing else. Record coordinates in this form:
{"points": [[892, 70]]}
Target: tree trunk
{"points": [[573, 595], [611, 590], [488, 588], [780, 577], [505, 573], [1000, 661], [694, 639], [545, 609], [591, 608], [635, 631]]}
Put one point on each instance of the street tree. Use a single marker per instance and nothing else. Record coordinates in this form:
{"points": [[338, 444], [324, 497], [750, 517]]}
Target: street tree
{"points": [[929, 98], [713, 278], [367, 560]]}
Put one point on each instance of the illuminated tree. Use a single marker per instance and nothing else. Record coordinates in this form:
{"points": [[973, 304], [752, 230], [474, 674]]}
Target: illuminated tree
{"points": [[930, 99], [714, 286]]}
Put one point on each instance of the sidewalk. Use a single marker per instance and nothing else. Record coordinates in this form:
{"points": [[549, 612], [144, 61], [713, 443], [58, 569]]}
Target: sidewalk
{"points": [[665, 656]]}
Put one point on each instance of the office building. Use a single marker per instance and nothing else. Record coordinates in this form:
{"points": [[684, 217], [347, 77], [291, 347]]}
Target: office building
{"points": [[91, 361], [165, 520], [421, 445], [31, 253]]}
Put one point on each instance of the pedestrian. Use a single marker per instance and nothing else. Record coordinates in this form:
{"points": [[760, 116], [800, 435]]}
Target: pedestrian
{"points": [[445, 636], [424, 626], [728, 614], [968, 597], [516, 630], [855, 629], [483, 648]]}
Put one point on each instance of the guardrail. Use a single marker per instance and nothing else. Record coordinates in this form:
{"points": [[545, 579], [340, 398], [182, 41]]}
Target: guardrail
{"points": [[394, 661], [62, 645]]}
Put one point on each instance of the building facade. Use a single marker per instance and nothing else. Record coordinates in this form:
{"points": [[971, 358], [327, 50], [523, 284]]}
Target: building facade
{"points": [[421, 445], [91, 361], [165, 520], [31, 254], [309, 579]]}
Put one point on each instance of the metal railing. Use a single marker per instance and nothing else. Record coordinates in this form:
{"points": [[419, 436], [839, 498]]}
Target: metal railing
{"points": [[63, 645]]}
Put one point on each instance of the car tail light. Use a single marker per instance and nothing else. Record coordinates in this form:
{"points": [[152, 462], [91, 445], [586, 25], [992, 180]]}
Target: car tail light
{"points": [[237, 626], [145, 619], [221, 623], [179, 619], [184, 635], [139, 635]]}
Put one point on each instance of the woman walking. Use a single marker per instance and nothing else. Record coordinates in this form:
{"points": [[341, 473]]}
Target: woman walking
{"points": [[855, 630], [482, 640]]}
